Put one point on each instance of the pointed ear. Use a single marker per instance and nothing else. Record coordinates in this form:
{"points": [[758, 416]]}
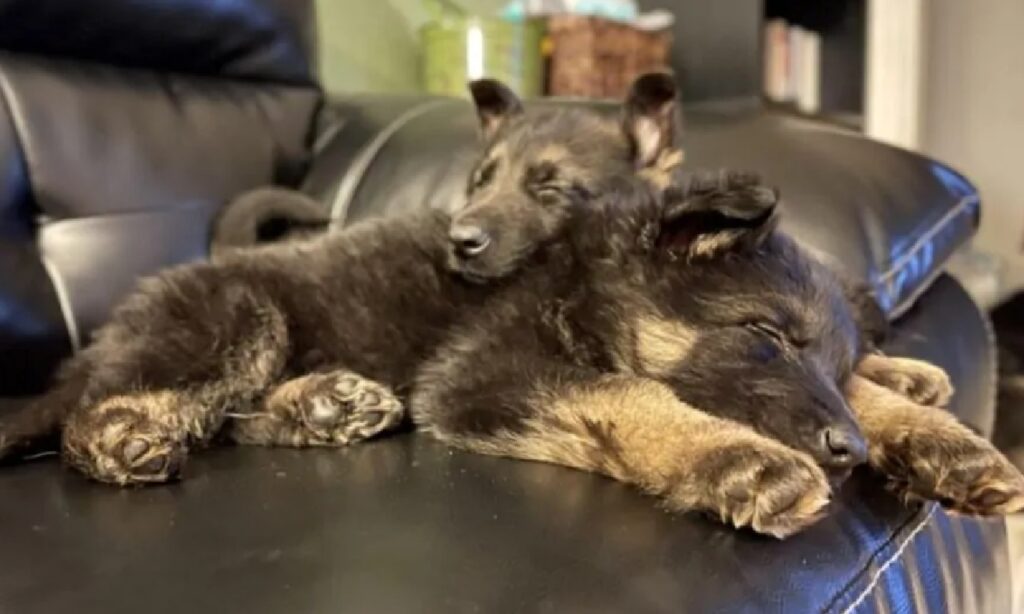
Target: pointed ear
{"points": [[711, 213], [650, 117], [495, 104]]}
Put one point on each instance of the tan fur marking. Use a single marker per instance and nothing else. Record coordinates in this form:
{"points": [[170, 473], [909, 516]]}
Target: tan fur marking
{"points": [[554, 153], [659, 174], [637, 431], [661, 344], [928, 454], [703, 247]]}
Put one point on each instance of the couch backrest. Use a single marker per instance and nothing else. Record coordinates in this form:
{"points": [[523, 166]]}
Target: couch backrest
{"points": [[124, 124]]}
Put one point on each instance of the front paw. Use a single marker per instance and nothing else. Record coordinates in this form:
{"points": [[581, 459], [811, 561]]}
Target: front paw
{"points": [[950, 464], [919, 381], [762, 485]]}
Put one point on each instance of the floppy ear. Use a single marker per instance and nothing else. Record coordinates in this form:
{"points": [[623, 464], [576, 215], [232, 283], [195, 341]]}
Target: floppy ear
{"points": [[495, 104], [711, 213], [650, 117]]}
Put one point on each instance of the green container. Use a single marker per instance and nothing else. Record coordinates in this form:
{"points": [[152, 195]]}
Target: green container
{"points": [[458, 49]]}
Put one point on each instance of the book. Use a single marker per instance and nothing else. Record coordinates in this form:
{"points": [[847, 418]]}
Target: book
{"points": [[808, 89]]}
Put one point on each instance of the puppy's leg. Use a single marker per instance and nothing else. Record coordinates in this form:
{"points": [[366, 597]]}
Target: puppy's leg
{"points": [[919, 381], [164, 374], [928, 454], [320, 409], [632, 429]]}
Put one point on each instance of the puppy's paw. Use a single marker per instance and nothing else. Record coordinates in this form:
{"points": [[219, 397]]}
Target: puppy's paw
{"points": [[123, 443], [919, 381], [765, 486], [341, 407], [950, 464]]}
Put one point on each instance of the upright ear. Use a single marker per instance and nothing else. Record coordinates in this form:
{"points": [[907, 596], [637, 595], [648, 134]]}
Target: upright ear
{"points": [[650, 117], [495, 103], [711, 213]]}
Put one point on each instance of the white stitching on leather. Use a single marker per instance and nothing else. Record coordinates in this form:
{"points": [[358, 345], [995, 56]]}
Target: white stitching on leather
{"points": [[66, 310], [357, 169], [877, 577], [906, 302], [901, 262]]}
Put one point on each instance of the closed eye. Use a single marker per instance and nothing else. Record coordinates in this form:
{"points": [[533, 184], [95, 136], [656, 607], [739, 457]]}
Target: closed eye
{"points": [[485, 175], [776, 334], [770, 331]]}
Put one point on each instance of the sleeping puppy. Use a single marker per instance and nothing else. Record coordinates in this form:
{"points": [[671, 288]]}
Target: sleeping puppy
{"points": [[691, 340]]}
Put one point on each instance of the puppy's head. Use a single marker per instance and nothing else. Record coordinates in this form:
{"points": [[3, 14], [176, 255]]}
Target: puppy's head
{"points": [[768, 337], [539, 168]]}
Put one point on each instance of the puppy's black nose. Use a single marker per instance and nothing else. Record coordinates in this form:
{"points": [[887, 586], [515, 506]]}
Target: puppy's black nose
{"points": [[842, 448], [469, 241]]}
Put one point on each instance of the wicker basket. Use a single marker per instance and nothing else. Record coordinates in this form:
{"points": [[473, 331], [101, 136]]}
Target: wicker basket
{"points": [[599, 58]]}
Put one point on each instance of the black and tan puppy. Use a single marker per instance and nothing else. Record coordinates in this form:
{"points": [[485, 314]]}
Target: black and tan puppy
{"points": [[695, 319]]}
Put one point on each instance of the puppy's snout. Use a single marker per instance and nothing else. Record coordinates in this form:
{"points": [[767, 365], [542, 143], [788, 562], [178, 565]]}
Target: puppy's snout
{"points": [[469, 240], [841, 447]]}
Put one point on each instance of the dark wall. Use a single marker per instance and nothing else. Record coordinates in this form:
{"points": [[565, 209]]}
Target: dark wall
{"points": [[717, 48]]}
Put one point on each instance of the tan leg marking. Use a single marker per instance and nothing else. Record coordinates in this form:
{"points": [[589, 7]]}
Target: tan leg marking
{"points": [[920, 381], [637, 431], [928, 454]]}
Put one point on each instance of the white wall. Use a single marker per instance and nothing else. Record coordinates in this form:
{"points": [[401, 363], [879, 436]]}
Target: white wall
{"points": [[973, 112]]}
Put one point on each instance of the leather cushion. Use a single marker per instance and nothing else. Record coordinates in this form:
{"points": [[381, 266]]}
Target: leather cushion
{"points": [[100, 140], [13, 182], [885, 215], [33, 334], [251, 39], [118, 171], [95, 261]]}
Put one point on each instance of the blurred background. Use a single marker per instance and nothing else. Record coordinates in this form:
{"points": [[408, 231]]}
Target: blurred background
{"points": [[943, 77]]}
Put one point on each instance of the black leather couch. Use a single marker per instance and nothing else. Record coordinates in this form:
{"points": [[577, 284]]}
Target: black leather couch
{"points": [[125, 124]]}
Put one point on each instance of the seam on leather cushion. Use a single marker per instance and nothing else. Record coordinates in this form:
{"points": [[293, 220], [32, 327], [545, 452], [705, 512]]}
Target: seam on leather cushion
{"points": [[357, 170], [879, 574], [901, 304], [17, 127], [66, 310]]}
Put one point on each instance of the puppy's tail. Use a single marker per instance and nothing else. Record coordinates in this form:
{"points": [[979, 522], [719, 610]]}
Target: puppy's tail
{"points": [[266, 215], [36, 424]]}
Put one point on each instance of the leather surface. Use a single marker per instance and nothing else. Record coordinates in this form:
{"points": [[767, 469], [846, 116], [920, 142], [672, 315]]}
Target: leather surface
{"points": [[101, 140], [113, 173], [14, 224], [250, 39], [33, 335], [885, 215], [125, 247]]}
